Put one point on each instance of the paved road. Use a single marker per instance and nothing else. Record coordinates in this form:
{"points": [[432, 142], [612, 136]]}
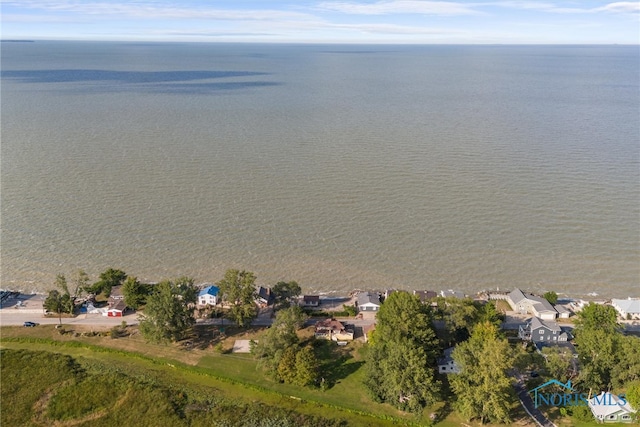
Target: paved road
{"points": [[529, 406], [18, 318]]}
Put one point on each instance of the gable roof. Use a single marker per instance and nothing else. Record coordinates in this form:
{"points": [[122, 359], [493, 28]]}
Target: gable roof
{"points": [[537, 323], [209, 290], [538, 303], [264, 293], [365, 298], [119, 305], [627, 305], [516, 296], [425, 295], [311, 298], [606, 404], [331, 324]]}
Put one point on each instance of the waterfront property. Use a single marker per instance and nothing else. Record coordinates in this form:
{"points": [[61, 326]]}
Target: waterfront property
{"points": [[368, 301], [609, 408], [208, 296], [264, 297], [531, 304], [311, 300], [627, 308], [538, 330], [117, 309], [334, 330]]}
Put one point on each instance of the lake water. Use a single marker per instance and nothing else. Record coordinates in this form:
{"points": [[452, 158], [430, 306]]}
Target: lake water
{"points": [[340, 167]]}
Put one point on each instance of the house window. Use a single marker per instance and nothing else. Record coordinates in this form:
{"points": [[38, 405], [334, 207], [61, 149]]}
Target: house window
{"points": [[611, 417], [541, 331], [626, 417]]}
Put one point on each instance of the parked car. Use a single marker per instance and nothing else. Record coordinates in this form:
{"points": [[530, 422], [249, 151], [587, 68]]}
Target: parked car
{"points": [[30, 324]]}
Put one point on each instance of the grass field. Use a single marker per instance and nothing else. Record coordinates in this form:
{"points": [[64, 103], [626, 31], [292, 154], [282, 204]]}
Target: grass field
{"points": [[201, 369]]}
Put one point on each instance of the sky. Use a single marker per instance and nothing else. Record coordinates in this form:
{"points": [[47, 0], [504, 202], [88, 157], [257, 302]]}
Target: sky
{"points": [[326, 21]]}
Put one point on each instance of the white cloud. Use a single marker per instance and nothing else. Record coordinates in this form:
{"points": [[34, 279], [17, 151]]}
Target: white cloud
{"points": [[621, 6], [400, 6]]}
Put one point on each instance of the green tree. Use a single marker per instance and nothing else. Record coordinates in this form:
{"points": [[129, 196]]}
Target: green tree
{"points": [[633, 394], [597, 333], [285, 293], [489, 313], [551, 296], [558, 363], [306, 367], [483, 388], [400, 362], [58, 303], [597, 316], [135, 293], [81, 283], [168, 315], [239, 291], [279, 337], [287, 365], [627, 366], [108, 279], [460, 315]]}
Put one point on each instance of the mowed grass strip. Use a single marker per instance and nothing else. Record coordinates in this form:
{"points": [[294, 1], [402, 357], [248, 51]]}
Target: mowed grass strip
{"points": [[236, 386]]}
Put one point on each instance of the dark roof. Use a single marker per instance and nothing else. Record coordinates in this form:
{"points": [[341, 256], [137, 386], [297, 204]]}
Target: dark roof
{"points": [[119, 305], [309, 298], [425, 295]]}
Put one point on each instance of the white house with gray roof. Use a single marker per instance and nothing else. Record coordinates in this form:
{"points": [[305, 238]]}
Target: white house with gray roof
{"points": [[627, 307], [609, 408], [368, 301], [531, 304]]}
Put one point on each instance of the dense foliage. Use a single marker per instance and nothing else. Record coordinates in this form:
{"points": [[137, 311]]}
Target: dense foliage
{"points": [[238, 290], [168, 315], [608, 359], [285, 293], [483, 388], [400, 364]]}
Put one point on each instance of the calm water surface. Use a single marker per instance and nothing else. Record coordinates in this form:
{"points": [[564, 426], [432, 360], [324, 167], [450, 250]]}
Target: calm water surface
{"points": [[341, 167]]}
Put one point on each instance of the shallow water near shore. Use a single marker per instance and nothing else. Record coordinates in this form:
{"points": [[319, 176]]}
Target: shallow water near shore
{"points": [[340, 167]]}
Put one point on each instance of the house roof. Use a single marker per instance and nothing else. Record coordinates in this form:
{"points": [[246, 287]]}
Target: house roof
{"points": [[311, 298], [603, 405], [516, 296], [627, 305], [365, 298], [452, 294], [540, 304], [446, 358], [537, 323], [119, 305], [425, 295], [561, 309], [209, 290], [264, 293], [331, 324]]}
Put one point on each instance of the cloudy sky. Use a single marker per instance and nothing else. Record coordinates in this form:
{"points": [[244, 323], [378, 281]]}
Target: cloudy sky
{"points": [[332, 21]]}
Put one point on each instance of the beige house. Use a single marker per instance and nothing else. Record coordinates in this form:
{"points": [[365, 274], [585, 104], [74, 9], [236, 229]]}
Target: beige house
{"points": [[331, 329]]}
